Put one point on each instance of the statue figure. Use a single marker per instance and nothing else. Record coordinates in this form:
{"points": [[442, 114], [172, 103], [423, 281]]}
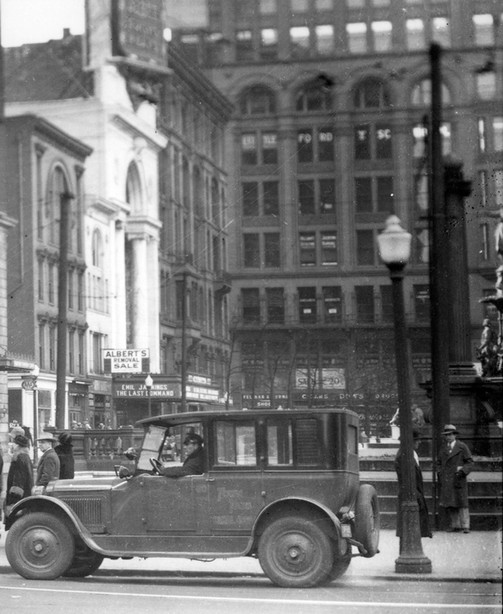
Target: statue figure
{"points": [[487, 350]]}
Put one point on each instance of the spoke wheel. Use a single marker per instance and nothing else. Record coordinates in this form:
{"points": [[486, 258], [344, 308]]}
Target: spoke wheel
{"points": [[296, 552], [39, 546]]}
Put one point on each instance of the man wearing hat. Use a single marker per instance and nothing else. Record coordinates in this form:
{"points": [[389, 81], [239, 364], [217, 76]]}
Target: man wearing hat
{"points": [[48, 464], [454, 463], [194, 461], [20, 476]]}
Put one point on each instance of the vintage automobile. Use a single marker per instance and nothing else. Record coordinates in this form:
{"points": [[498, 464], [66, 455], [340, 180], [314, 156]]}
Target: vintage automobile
{"points": [[280, 485]]}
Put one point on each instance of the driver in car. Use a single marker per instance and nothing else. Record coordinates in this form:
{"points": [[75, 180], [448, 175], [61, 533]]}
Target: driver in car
{"points": [[194, 461]]}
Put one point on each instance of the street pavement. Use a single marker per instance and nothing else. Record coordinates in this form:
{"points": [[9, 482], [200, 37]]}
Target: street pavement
{"points": [[476, 556]]}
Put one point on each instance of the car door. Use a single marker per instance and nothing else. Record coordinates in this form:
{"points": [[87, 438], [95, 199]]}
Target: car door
{"points": [[235, 483]]}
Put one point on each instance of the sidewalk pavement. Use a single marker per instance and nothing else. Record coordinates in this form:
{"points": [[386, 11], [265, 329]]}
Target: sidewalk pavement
{"points": [[476, 556]]}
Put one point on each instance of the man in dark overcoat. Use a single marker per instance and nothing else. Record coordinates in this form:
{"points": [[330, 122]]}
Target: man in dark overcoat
{"points": [[20, 476], [424, 517], [454, 463], [194, 461], [48, 464], [64, 450]]}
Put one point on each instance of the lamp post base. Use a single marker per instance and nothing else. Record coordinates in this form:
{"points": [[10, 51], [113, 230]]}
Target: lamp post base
{"points": [[412, 563]]}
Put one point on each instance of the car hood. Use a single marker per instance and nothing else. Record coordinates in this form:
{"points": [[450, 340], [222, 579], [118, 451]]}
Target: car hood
{"points": [[82, 484]]}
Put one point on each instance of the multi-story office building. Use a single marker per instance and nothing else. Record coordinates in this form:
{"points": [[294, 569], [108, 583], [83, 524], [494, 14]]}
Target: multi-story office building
{"points": [[327, 139]]}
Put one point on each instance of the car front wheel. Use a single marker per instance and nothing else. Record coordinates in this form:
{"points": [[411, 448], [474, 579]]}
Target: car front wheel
{"points": [[39, 546], [84, 563], [296, 552]]}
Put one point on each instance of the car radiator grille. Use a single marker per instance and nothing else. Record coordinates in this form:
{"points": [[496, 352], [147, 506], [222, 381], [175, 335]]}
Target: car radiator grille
{"points": [[88, 510]]}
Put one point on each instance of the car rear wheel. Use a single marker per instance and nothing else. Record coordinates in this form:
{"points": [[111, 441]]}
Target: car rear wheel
{"points": [[296, 552], [39, 546], [339, 566], [84, 563], [367, 520]]}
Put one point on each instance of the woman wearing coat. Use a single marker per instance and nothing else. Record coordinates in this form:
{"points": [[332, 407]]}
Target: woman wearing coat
{"points": [[424, 517], [454, 463], [20, 476]]}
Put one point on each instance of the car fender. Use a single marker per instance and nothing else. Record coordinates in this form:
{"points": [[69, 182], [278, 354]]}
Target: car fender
{"points": [[43, 503], [278, 503]]}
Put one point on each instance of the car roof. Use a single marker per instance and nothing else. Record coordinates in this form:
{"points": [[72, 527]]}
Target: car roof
{"points": [[239, 414]]}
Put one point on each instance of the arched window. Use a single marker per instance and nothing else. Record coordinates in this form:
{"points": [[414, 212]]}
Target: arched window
{"points": [[133, 189], [257, 100], [371, 93], [421, 94], [315, 95], [57, 185]]}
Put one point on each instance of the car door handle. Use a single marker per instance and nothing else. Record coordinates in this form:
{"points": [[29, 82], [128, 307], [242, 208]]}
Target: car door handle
{"points": [[210, 479]]}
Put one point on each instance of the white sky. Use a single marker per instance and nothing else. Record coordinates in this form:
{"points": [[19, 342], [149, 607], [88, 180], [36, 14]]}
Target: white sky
{"points": [[37, 21]]}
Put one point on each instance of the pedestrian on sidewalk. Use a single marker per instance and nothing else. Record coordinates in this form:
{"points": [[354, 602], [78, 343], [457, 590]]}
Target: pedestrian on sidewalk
{"points": [[454, 463], [424, 516], [20, 476], [48, 464], [64, 450]]}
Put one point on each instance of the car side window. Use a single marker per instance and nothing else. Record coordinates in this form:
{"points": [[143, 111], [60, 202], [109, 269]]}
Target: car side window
{"points": [[235, 444], [309, 450], [279, 444]]}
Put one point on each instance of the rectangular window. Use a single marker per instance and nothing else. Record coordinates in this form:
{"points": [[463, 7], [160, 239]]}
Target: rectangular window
{"points": [[363, 194], [482, 176], [80, 358], [307, 242], [365, 248], [244, 45], [267, 7], [268, 43], [271, 197], [50, 284], [332, 303], [279, 444], [80, 291], [307, 305], [41, 346], [441, 31], [269, 148], [381, 32], [327, 196], [324, 5], [365, 310], [486, 85], [306, 197], [385, 202], [304, 146], [422, 302], [415, 34], [307, 443], [325, 42], [357, 37], [236, 444], [422, 246], [249, 149], [383, 142], [329, 248], [419, 134], [498, 187], [299, 41], [485, 246], [362, 142], [299, 6], [71, 351], [445, 133], [481, 126], [386, 303], [40, 280], [271, 250], [497, 133], [52, 348], [483, 26], [325, 145], [251, 250], [70, 290], [250, 199], [275, 305], [250, 301]]}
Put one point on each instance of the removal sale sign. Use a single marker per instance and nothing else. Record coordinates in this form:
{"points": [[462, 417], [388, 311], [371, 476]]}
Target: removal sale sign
{"points": [[126, 361]]}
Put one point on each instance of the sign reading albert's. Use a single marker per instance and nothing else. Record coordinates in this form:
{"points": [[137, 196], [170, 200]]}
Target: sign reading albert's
{"points": [[126, 361]]}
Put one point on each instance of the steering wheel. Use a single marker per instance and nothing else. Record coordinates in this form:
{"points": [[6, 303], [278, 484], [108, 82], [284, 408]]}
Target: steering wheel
{"points": [[156, 465]]}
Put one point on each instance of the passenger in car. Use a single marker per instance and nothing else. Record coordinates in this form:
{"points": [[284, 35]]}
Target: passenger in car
{"points": [[194, 461]]}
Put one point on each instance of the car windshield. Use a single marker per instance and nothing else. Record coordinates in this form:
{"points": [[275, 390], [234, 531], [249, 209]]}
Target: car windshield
{"points": [[165, 443]]}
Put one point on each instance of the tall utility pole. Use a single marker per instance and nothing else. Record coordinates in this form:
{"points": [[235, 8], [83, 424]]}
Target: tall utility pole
{"points": [[439, 279], [64, 216]]}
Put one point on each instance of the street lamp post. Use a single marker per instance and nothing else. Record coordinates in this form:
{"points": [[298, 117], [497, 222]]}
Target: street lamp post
{"points": [[394, 249], [148, 385]]}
